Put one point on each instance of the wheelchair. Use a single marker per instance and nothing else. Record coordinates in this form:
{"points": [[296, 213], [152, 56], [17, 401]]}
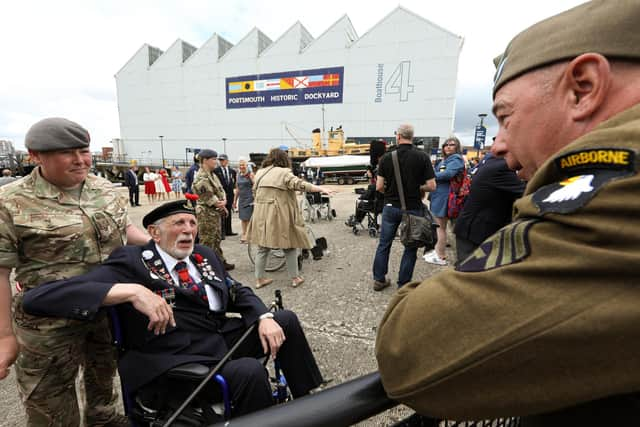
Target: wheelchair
{"points": [[368, 206], [156, 404], [316, 206]]}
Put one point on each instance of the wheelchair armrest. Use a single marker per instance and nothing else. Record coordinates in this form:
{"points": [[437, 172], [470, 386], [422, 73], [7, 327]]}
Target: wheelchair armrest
{"points": [[189, 371]]}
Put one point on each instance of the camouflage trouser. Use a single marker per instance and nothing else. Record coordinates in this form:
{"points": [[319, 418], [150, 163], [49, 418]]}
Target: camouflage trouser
{"points": [[210, 231], [47, 367]]}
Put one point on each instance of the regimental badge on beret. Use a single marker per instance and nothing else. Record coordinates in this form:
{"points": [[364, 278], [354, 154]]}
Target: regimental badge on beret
{"points": [[191, 200]]}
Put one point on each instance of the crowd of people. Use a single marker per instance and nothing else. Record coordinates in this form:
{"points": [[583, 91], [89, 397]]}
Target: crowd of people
{"points": [[537, 318]]}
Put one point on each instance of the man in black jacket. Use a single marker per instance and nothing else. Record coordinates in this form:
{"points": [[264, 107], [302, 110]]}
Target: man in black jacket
{"points": [[172, 297], [418, 177], [494, 188], [131, 181], [227, 177]]}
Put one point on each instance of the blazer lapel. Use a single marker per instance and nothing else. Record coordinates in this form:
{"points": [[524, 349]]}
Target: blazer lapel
{"points": [[210, 276]]}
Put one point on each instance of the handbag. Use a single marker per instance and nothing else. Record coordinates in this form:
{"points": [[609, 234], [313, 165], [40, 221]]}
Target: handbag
{"points": [[415, 231], [459, 188]]}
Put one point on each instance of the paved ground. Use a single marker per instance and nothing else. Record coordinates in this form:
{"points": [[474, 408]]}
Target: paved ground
{"points": [[337, 305]]}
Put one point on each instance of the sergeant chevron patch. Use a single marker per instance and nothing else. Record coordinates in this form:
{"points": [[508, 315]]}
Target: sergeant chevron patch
{"points": [[507, 246]]}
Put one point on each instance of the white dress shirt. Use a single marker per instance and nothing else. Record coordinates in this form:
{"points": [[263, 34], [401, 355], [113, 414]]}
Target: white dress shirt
{"points": [[170, 262]]}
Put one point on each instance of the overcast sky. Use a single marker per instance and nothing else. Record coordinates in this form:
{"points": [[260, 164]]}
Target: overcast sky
{"points": [[59, 57]]}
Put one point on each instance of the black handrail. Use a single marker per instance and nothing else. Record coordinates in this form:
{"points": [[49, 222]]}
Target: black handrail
{"points": [[342, 405]]}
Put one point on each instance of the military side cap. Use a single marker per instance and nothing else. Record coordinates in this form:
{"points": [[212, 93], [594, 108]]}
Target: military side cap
{"points": [[607, 27], [56, 133], [170, 208], [223, 157], [207, 154]]}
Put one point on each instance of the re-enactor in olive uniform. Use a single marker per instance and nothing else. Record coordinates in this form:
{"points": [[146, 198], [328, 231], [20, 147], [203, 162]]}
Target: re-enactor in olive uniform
{"points": [[543, 318], [210, 207], [51, 233]]}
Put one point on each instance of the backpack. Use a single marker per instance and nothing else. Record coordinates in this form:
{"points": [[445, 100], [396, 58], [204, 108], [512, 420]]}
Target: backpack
{"points": [[459, 188]]}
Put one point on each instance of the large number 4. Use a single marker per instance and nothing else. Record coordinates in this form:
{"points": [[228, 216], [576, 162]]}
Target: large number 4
{"points": [[399, 81]]}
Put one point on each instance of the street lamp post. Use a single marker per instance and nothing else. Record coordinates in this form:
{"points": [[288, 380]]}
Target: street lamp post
{"points": [[162, 148], [481, 133], [224, 145]]}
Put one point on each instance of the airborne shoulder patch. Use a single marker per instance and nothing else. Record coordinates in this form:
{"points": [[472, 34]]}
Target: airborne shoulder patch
{"points": [[592, 159], [507, 246], [588, 170]]}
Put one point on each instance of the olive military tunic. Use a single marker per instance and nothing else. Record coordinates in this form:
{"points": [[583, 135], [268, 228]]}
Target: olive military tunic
{"points": [[545, 314]]}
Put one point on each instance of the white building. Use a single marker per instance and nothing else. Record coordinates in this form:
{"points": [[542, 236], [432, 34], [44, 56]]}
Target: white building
{"points": [[260, 93]]}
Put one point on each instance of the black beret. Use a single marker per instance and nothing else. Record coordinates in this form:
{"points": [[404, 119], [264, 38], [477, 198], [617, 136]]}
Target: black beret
{"points": [[167, 209], [56, 133], [207, 154], [223, 157]]}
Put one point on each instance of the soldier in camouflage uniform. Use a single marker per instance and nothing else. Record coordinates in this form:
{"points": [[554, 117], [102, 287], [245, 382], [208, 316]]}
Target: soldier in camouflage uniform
{"points": [[211, 204], [56, 223]]}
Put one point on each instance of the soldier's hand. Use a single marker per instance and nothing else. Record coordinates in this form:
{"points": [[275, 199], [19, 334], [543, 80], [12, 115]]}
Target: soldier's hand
{"points": [[8, 353], [271, 336], [153, 306], [220, 204]]}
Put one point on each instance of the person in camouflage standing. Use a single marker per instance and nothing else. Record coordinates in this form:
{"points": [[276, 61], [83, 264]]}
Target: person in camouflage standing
{"points": [[57, 223], [211, 204]]}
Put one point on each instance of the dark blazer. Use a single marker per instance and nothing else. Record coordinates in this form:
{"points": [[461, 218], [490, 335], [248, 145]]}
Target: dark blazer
{"points": [[198, 335], [494, 188], [191, 173], [228, 185], [129, 179]]}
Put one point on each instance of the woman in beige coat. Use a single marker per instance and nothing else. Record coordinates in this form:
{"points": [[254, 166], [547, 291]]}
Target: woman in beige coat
{"points": [[276, 222]]}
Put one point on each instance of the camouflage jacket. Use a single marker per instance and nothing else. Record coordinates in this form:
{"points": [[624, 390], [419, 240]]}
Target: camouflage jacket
{"points": [[209, 190], [48, 235]]}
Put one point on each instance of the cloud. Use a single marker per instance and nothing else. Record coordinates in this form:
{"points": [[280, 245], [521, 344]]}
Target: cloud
{"points": [[60, 57]]}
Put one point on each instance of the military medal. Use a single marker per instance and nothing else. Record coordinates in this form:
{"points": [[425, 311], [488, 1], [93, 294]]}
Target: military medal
{"points": [[147, 255]]}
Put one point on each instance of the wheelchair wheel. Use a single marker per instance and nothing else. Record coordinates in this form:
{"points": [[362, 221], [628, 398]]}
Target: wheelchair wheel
{"points": [[275, 258], [307, 211]]}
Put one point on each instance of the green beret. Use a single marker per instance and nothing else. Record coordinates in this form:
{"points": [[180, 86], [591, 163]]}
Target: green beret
{"points": [[607, 27], [56, 133], [168, 209]]}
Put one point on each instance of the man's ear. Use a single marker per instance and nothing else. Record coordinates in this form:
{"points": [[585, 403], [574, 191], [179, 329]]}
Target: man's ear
{"points": [[154, 232], [589, 79], [34, 156]]}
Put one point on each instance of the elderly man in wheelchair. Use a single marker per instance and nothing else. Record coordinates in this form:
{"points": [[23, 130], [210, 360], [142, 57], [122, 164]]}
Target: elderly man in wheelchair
{"points": [[173, 298]]}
